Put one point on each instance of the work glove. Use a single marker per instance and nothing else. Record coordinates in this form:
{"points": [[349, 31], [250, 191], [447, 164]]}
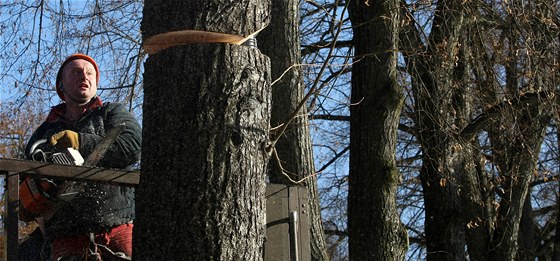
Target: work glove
{"points": [[65, 139]]}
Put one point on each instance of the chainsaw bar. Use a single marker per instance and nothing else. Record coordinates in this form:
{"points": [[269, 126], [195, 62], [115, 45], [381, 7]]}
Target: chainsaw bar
{"points": [[70, 188], [101, 148]]}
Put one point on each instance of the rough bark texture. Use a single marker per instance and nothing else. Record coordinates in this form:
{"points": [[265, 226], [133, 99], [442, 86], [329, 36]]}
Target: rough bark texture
{"points": [[281, 42], [205, 129], [239, 17], [375, 230]]}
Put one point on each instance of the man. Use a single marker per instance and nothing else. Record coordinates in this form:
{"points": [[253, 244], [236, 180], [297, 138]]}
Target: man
{"points": [[97, 222]]}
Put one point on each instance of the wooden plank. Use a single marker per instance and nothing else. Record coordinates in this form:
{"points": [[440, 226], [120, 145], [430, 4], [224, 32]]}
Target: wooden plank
{"points": [[116, 176], [281, 244], [277, 244], [281, 199], [13, 168], [12, 217], [304, 230]]}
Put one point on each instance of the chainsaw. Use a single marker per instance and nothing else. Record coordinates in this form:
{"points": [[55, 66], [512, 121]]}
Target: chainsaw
{"points": [[39, 195]]}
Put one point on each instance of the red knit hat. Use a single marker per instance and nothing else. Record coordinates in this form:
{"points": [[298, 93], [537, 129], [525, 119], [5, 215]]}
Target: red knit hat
{"points": [[69, 59]]}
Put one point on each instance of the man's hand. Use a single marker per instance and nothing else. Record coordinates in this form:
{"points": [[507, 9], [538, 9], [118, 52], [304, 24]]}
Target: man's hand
{"points": [[65, 139]]}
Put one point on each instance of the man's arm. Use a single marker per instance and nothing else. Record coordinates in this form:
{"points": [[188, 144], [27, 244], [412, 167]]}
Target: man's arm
{"points": [[126, 148]]}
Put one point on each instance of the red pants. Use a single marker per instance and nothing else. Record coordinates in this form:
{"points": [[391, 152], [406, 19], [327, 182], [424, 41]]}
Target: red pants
{"points": [[118, 239]]}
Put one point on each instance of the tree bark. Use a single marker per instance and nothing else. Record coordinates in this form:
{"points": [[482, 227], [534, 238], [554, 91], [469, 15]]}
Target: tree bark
{"points": [[375, 230], [205, 129], [281, 42]]}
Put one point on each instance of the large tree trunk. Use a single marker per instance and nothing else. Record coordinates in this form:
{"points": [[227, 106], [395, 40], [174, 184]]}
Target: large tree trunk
{"points": [[281, 42], [205, 129], [375, 230]]}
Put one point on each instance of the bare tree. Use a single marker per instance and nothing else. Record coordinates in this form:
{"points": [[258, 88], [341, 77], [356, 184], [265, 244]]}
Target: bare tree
{"points": [[480, 128], [440, 105], [375, 229], [292, 160]]}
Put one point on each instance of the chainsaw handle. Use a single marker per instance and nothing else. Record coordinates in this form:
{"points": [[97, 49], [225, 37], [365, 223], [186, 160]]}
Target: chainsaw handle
{"points": [[34, 146]]}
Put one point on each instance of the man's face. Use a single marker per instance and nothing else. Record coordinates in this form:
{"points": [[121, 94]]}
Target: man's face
{"points": [[79, 81]]}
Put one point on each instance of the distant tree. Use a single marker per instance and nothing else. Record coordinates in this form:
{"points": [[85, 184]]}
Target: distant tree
{"points": [[481, 111], [16, 124], [442, 107], [292, 160], [205, 133], [374, 227], [326, 54]]}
